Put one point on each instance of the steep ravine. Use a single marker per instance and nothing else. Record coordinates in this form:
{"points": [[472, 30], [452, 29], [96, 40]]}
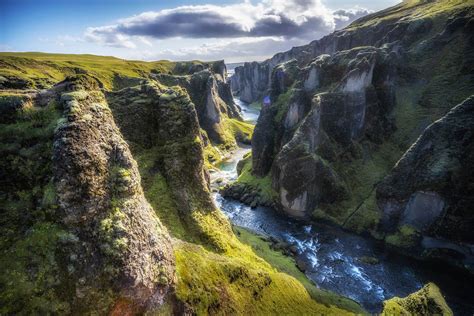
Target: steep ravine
{"points": [[336, 260], [370, 129]]}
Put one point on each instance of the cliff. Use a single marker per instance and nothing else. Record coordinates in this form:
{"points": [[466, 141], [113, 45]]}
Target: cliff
{"points": [[94, 184], [344, 109]]}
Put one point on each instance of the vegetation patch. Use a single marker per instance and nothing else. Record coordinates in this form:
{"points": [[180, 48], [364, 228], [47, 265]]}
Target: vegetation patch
{"points": [[263, 186], [427, 301], [211, 283], [30, 234], [159, 195], [405, 237], [241, 131]]}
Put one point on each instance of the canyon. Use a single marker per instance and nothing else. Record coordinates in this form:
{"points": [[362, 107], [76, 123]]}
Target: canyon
{"points": [[334, 178]]}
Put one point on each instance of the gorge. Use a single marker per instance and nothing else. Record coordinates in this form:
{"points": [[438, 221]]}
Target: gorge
{"points": [[334, 178]]}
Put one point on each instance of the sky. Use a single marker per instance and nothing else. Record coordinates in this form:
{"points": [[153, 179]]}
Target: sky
{"points": [[233, 30]]}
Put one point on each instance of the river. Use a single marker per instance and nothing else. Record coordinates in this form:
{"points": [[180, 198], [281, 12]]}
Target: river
{"points": [[337, 260]]}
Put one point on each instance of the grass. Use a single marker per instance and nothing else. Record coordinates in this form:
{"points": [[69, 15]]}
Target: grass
{"points": [[41, 70], [241, 131], [158, 193], [411, 9], [239, 283], [50, 68], [261, 185]]}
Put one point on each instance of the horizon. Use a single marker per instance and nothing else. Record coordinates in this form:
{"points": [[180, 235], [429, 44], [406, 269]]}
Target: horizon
{"points": [[234, 31]]}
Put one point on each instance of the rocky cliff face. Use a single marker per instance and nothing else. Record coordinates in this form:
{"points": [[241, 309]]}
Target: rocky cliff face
{"points": [[252, 81], [212, 96], [429, 191], [162, 124], [100, 245], [119, 240], [345, 108]]}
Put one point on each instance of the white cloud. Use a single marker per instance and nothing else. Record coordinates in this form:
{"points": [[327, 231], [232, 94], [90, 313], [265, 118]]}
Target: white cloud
{"points": [[292, 20], [232, 50]]}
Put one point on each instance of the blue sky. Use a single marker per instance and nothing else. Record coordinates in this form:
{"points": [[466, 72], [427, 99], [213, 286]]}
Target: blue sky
{"points": [[235, 30]]}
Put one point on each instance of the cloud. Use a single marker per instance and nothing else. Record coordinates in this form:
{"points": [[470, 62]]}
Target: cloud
{"points": [[344, 17], [288, 19], [233, 50]]}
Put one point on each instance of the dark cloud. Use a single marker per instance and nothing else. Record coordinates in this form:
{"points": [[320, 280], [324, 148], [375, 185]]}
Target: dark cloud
{"points": [[183, 24], [290, 19]]}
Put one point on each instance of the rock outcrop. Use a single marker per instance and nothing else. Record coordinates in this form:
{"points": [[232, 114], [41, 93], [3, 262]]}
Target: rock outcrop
{"points": [[211, 94], [118, 243], [252, 81], [430, 190], [426, 301], [163, 122]]}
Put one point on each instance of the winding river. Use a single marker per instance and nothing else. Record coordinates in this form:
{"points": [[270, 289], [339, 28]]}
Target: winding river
{"points": [[337, 260]]}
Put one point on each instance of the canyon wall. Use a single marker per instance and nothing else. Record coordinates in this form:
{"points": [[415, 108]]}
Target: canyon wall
{"points": [[344, 109]]}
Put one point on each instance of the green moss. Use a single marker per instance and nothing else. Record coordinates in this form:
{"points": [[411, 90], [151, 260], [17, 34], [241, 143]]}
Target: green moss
{"points": [[282, 103], [237, 281], [212, 283], [427, 301], [30, 234], [261, 185], [405, 237], [158, 193], [111, 231], [74, 95], [286, 264], [241, 131], [212, 156], [30, 272]]}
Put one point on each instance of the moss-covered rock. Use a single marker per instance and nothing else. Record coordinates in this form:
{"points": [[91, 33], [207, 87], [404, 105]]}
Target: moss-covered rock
{"points": [[427, 301], [430, 188], [120, 247]]}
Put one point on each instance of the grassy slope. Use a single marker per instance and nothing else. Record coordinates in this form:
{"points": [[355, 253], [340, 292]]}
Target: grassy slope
{"points": [[237, 281], [412, 9], [44, 69], [51, 68], [286, 264]]}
